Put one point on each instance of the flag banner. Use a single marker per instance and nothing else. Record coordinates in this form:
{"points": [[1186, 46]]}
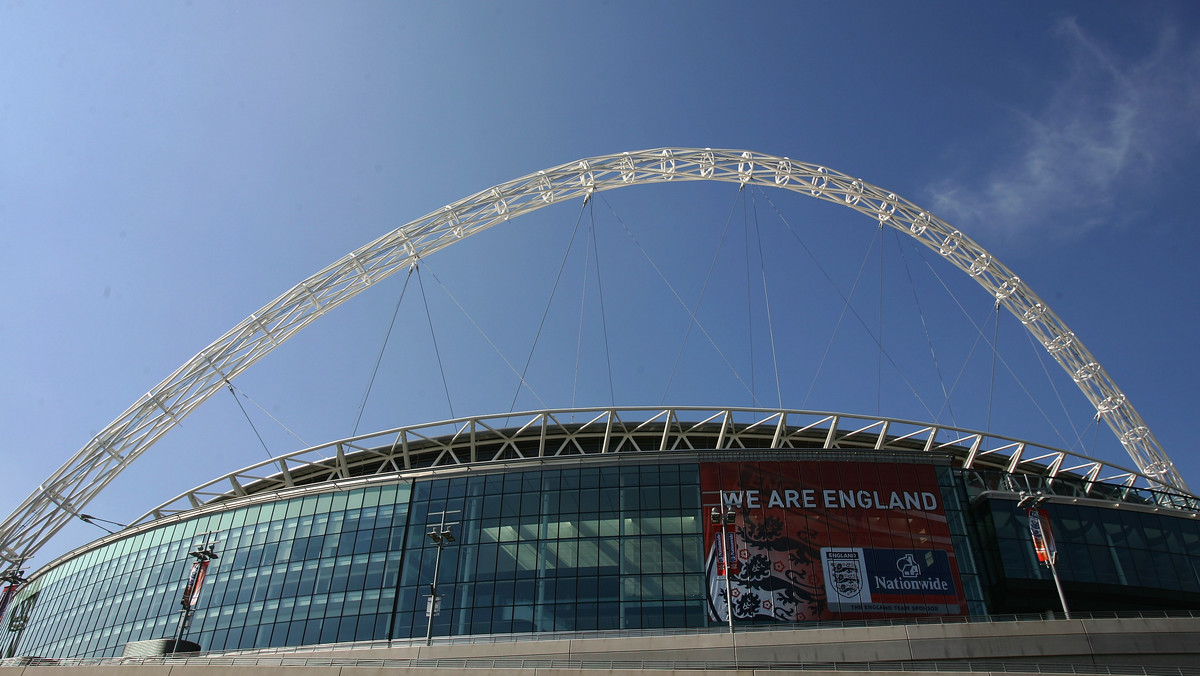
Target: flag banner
{"points": [[1043, 536], [191, 593], [6, 597]]}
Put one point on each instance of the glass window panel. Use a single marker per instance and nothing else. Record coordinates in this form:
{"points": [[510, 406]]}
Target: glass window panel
{"points": [[568, 554], [529, 528], [338, 503], [512, 482], [650, 498], [589, 528], [610, 526], [609, 499], [527, 557], [589, 557], [492, 484], [568, 502], [487, 561], [506, 560], [568, 529]]}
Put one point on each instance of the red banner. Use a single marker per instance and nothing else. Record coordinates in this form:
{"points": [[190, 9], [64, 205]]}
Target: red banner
{"points": [[830, 540], [6, 597], [1043, 536], [191, 592]]}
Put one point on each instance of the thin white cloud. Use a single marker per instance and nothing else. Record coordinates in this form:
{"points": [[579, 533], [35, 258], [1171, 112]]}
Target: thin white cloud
{"points": [[1109, 126]]}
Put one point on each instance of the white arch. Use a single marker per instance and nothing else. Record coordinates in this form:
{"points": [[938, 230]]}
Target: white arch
{"points": [[69, 488]]}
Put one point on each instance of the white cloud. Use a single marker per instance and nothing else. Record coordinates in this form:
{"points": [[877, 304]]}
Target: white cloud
{"points": [[1109, 126]]}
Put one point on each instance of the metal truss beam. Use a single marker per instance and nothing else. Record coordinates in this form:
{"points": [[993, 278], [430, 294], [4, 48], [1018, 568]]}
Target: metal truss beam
{"points": [[508, 437]]}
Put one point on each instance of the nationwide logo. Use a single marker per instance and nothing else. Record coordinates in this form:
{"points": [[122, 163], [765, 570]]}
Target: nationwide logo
{"points": [[869, 580], [901, 584], [916, 571]]}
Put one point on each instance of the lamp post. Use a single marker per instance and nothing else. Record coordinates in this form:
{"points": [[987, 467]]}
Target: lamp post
{"points": [[203, 554], [723, 515], [441, 536], [1043, 539]]}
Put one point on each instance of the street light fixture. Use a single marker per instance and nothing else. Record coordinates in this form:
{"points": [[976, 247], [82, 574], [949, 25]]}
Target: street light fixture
{"points": [[725, 516], [441, 536], [203, 554], [1043, 538]]}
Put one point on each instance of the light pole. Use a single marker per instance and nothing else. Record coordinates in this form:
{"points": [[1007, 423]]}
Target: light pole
{"points": [[19, 620], [203, 553], [1043, 539], [721, 514], [441, 536]]}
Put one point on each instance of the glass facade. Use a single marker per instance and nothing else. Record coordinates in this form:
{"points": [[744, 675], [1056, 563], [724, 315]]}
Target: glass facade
{"points": [[312, 569], [576, 548], [1108, 559], [595, 543]]}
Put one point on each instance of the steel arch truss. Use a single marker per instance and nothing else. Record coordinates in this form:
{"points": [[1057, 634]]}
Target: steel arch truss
{"points": [[68, 489]]}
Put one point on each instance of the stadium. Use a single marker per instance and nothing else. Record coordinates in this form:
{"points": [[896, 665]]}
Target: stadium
{"points": [[728, 536]]}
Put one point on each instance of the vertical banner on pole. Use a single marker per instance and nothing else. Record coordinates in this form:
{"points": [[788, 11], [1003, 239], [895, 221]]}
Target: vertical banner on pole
{"points": [[731, 547], [191, 593], [1043, 536], [6, 597], [433, 606]]}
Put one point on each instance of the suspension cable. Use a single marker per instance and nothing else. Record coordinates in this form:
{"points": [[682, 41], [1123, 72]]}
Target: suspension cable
{"points": [[612, 399], [267, 413], [485, 336], [963, 369], [554, 289], [749, 305], [703, 289], [679, 299], [861, 322], [879, 330], [437, 352], [587, 262], [379, 359], [247, 416], [937, 367], [1003, 361], [1057, 395], [842, 315], [992, 383], [762, 266]]}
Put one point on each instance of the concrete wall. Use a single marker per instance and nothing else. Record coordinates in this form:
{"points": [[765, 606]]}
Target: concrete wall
{"points": [[372, 671], [1165, 641]]}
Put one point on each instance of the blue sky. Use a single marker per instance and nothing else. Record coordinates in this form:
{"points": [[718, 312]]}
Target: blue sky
{"points": [[168, 168]]}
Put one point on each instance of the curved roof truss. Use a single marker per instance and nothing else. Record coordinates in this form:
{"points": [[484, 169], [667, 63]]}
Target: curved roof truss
{"points": [[513, 437]]}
